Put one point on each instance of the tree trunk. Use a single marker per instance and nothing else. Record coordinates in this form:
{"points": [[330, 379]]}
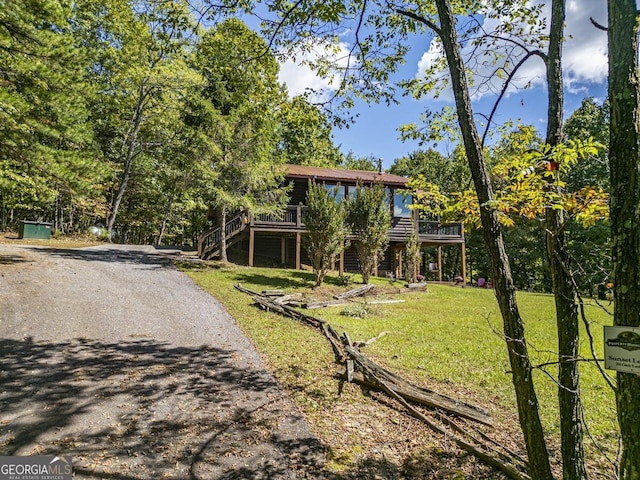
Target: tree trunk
{"points": [[57, 216], [165, 217], [3, 215], [223, 234], [503, 282], [129, 142], [571, 435], [624, 163]]}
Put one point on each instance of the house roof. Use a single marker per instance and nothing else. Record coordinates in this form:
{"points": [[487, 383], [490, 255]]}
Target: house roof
{"points": [[348, 176]]}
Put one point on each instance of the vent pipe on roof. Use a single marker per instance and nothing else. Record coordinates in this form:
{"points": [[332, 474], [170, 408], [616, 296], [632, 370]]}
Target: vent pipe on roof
{"points": [[379, 165]]}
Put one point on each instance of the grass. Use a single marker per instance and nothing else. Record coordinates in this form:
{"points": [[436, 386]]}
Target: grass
{"points": [[62, 241], [446, 339]]}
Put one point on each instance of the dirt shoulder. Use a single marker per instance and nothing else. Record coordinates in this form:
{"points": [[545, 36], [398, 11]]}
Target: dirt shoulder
{"points": [[112, 356]]}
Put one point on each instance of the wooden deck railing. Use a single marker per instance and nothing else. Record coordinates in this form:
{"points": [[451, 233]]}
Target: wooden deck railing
{"points": [[437, 229], [209, 241], [294, 214], [292, 217]]}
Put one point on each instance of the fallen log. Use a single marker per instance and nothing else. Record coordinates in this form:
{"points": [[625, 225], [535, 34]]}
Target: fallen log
{"points": [[378, 377], [416, 394], [239, 287], [325, 303], [273, 293], [314, 322], [355, 292], [288, 299], [366, 343], [384, 301], [488, 458]]}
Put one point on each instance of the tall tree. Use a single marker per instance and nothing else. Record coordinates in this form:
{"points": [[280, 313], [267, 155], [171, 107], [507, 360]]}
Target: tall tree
{"points": [[46, 141], [527, 401], [305, 135], [624, 164], [571, 435], [236, 114], [138, 66]]}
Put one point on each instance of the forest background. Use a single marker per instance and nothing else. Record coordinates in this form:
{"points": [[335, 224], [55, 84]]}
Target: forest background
{"points": [[134, 116]]}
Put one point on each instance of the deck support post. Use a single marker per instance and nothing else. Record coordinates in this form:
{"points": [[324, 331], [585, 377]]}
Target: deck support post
{"points": [[341, 264], [283, 250], [298, 242], [252, 242], [439, 250], [398, 265], [463, 257]]}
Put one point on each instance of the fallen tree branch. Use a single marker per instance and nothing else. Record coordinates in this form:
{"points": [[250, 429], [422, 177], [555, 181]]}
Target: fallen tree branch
{"points": [[487, 458], [325, 303], [366, 343], [418, 394], [239, 287], [376, 377], [355, 292]]}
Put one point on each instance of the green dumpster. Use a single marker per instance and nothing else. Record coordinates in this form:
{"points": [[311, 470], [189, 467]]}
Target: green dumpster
{"points": [[39, 230]]}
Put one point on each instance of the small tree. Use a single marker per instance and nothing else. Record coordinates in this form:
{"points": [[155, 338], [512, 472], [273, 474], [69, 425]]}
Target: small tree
{"points": [[326, 232], [369, 219], [413, 251]]}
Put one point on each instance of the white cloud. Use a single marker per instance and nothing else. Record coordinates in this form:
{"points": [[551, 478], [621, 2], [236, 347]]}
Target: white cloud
{"points": [[584, 54], [429, 57], [300, 78], [585, 51]]}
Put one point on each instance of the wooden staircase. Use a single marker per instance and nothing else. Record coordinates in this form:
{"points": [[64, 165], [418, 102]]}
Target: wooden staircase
{"points": [[209, 241]]}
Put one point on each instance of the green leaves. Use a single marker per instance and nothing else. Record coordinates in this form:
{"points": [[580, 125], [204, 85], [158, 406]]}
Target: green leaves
{"points": [[369, 220], [45, 139], [324, 221], [305, 135]]}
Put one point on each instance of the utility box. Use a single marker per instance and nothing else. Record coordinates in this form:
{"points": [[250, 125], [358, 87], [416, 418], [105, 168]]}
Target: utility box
{"points": [[38, 230]]}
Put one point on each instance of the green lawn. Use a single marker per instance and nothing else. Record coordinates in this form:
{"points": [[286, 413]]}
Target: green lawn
{"points": [[447, 338]]}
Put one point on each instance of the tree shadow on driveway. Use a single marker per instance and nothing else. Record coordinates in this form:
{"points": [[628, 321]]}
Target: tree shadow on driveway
{"points": [[130, 254], [145, 409]]}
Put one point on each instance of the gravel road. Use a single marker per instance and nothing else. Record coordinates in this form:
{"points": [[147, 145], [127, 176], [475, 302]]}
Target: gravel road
{"points": [[111, 355]]}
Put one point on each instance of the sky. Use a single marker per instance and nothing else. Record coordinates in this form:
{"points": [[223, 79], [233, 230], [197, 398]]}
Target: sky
{"points": [[375, 131]]}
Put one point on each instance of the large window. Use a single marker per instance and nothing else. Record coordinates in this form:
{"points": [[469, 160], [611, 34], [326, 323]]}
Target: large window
{"points": [[339, 189], [401, 202]]}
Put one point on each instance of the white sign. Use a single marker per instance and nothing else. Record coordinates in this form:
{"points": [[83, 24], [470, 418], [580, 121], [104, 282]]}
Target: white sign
{"points": [[622, 349]]}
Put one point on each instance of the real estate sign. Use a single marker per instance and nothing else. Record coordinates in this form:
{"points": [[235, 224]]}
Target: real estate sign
{"points": [[622, 349]]}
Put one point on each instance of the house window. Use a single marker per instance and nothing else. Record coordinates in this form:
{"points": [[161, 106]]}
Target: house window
{"points": [[338, 189], [401, 202]]}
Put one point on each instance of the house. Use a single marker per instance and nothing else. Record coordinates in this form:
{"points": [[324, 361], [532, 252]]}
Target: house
{"points": [[272, 240]]}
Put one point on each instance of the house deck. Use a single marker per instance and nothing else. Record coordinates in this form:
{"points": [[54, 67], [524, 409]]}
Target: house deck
{"points": [[280, 236]]}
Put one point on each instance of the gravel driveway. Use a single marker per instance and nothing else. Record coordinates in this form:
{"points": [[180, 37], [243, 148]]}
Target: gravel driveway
{"points": [[111, 355]]}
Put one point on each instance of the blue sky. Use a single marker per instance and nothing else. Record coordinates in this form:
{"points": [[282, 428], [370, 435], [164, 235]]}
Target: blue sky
{"points": [[375, 131]]}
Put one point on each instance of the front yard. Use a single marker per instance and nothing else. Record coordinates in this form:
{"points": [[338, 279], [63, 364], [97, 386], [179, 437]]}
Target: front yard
{"points": [[446, 339]]}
